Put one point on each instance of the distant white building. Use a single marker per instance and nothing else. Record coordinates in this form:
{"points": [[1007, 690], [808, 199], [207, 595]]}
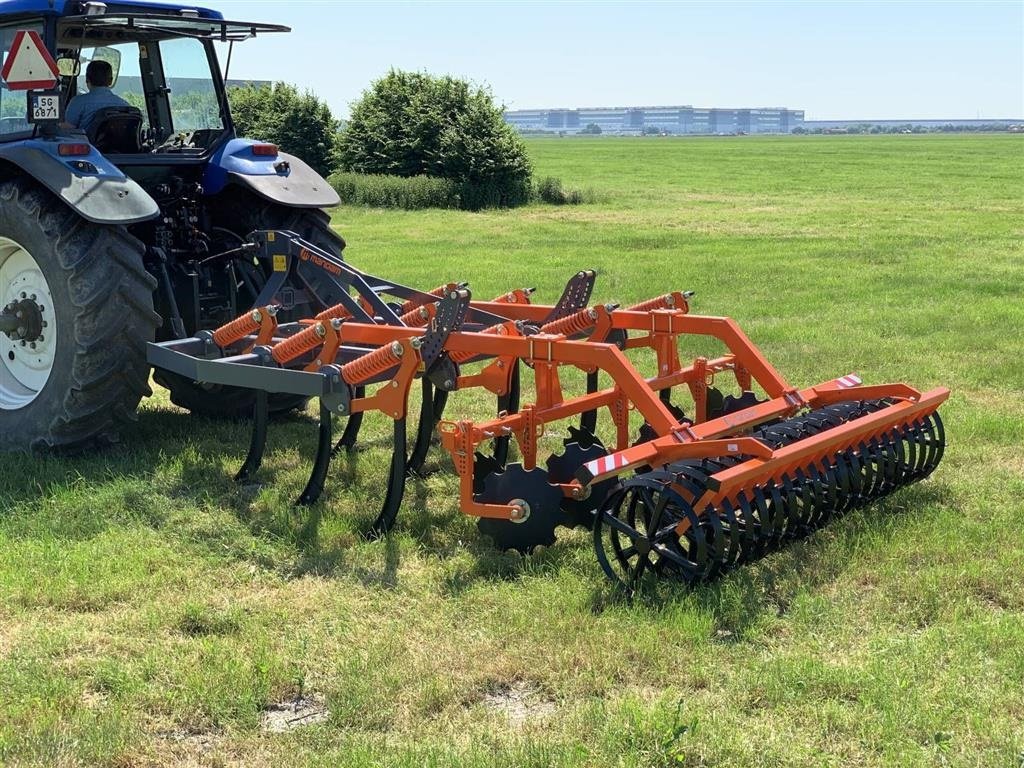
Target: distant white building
{"points": [[677, 120]]}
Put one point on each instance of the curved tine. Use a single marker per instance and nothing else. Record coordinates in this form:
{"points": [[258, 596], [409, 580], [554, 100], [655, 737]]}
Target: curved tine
{"points": [[711, 526], [870, 464], [734, 553], [315, 486], [601, 526], [258, 441], [351, 433], [424, 430], [904, 454], [823, 490], [838, 478], [901, 475], [588, 421], [841, 474], [853, 477], [888, 458], [396, 485], [818, 493], [440, 401], [804, 488], [684, 481], [697, 551], [771, 527], [915, 449], [753, 534], [797, 527], [625, 554], [938, 442], [927, 446], [602, 521], [833, 490], [510, 404], [714, 537], [819, 483], [885, 457], [784, 525]]}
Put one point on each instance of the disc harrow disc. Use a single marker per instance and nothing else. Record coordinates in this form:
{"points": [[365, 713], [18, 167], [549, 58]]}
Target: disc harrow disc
{"points": [[540, 499], [580, 447]]}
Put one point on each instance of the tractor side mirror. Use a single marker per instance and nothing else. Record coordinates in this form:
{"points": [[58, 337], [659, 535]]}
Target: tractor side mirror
{"points": [[68, 67], [110, 55]]}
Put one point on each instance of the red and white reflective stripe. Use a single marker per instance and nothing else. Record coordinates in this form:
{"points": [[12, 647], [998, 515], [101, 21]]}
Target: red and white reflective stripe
{"points": [[606, 464], [849, 380]]}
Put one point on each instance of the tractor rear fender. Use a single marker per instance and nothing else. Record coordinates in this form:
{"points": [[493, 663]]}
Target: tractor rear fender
{"points": [[280, 178], [89, 184]]}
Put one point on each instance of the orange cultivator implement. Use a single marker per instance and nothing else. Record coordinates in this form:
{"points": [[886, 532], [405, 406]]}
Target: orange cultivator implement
{"points": [[682, 496]]}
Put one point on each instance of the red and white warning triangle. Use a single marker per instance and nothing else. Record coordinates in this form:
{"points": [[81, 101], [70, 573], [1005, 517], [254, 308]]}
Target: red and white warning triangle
{"points": [[28, 63]]}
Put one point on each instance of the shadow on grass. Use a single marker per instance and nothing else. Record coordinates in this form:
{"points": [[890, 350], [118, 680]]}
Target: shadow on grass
{"points": [[122, 484]]}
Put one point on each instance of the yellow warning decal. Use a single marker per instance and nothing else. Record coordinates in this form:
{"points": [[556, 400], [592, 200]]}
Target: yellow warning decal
{"points": [[270, 237], [280, 263]]}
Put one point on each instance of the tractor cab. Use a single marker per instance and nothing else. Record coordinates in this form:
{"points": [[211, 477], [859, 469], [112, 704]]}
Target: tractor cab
{"points": [[164, 70], [165, 75]]}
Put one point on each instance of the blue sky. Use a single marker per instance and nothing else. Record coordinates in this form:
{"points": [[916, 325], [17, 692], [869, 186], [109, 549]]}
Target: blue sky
{"points": [[835, 60]]}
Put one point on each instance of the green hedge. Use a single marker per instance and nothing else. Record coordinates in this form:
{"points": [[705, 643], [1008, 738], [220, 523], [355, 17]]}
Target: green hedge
{"points": [[550, 190], [407, 192], [415, 192], [415, 124]]}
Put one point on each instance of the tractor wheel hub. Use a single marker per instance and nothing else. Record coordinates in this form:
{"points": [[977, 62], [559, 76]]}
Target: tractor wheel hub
{"points": [[22, 320], [28, 327]]}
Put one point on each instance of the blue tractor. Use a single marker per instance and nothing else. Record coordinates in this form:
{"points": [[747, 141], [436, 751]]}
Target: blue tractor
{"points": [[133, 230]]}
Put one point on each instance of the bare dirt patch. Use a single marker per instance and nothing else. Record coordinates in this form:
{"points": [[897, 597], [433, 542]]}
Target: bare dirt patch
{"points": [[520, 701], [287, 715]]}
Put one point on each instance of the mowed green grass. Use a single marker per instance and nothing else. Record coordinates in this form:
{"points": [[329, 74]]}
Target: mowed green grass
{"points": [[150, 609]]}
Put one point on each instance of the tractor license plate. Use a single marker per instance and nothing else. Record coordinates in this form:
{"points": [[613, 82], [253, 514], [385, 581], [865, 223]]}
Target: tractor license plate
{"points": [[44, 107]]}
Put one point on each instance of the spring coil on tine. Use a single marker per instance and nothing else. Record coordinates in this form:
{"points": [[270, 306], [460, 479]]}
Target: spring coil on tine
{"points": [[337, 312], [364, 368], [410, 304], [238, 328], [762, 518], [665, 301], [305, 340], [419, 316], [572, 324]]}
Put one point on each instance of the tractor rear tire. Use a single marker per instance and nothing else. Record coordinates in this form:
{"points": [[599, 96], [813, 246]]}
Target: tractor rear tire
{"points": [[242, 212], [79, 386]]}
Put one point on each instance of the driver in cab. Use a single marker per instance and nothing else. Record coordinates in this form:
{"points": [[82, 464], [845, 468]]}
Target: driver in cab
{"points": [[83, 108]]}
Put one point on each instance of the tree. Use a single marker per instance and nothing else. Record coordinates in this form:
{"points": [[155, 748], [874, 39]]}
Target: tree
{"points": [[592, 129], [415, 124], [299, 123]]}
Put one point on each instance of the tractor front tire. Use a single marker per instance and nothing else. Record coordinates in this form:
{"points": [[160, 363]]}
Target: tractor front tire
{"points": [[78, 380], [241, 212]]}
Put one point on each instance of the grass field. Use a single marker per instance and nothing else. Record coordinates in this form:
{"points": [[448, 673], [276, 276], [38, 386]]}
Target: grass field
{"points": [[150, 610]]}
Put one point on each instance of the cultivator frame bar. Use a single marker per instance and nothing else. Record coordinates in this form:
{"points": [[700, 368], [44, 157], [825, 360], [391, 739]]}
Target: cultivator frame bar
{"points": [[710, 491]]}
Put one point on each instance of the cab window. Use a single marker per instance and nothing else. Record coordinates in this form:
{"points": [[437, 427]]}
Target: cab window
{"points": [[193, 95], [124, 61]]}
